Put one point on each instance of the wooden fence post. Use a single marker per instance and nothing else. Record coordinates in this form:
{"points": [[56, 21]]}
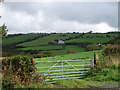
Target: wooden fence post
{"points": [[95, 59]]}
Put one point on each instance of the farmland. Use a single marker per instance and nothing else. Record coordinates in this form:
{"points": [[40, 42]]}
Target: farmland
{"points": [[19, 38], [90, 40], [40, 41], [81, 55], [77, 46], [46, 39]]}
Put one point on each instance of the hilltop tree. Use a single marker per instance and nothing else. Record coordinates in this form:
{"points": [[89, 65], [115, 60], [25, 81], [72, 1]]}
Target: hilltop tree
{"points": [[3, 31]]}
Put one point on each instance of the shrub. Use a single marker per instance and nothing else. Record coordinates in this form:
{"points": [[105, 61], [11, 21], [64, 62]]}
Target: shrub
{"points": [[93, 47], [112, 54], [112, 50], [39, 55], [70, 51], [48, 53], [103, 74], [19, 70]]}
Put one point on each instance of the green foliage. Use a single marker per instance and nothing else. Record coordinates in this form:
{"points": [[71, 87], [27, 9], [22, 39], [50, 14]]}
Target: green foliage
{"points": [[19, 70], [93, 47], [3, 31], [117, 42], [103, 74], [48, 53], [112, 50]]}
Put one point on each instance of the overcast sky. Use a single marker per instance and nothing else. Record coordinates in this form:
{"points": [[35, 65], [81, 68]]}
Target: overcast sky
{"points": [[21, 17]]}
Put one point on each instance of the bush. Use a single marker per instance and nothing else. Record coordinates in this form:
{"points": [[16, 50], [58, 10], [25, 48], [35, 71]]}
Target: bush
{"points": [[112, 50], [19, 70], [93, 47], [40, 55], [70, 51], [48, 53], [112, 54], [103, 74]]}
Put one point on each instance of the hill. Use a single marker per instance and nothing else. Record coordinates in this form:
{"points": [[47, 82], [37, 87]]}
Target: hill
{"points": [[42, 42]]}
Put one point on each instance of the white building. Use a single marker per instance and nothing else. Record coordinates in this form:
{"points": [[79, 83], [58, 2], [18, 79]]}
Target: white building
{"points": [[60, 42]]}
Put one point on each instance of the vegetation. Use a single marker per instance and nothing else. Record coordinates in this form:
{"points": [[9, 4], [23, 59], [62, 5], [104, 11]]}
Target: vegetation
{"points": [[3, 31], [12, 39], [20, 71], [93, 47], [48, 47], [103, 74], [45, 40], [91, 40], [75, 56]]}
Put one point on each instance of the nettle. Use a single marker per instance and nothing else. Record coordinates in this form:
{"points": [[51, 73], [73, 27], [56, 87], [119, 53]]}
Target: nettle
{"points": [[19, 70]]}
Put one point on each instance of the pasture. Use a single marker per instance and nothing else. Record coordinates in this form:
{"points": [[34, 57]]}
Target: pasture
{"points": [[81, 55], [46, 39], [19, 38], [58, 49], [91, 40], [67, 67]]}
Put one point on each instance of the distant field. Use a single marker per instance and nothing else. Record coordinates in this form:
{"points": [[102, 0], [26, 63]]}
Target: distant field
{"points": [[90, 40], [101, 34], [74, 47], [46, 39], [20, 38], [49, 47], [81, 55], [57, 52]]}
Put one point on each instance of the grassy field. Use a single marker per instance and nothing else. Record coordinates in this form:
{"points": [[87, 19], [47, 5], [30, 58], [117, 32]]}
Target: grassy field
{"points": [[77, 56], [46, 39], [82, 55], [57, 52], [52, 37], [20, 38], [49, 47], [91, 40], [76, 48], [101, 34]]}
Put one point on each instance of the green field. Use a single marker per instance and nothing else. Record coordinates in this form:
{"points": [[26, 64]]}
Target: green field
{"points": [[76, 48], [101, 34], [90, 40], [49, 47], [46, 39], [82, 55], [57, 52], [77, 56], [20, 38]]}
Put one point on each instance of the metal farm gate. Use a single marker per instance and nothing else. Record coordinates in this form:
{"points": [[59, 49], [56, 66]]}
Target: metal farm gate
{"points": [[64, 69]]}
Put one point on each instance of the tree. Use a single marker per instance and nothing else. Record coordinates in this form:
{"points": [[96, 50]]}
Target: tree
{"points": [[3, 31], [90, 31]]}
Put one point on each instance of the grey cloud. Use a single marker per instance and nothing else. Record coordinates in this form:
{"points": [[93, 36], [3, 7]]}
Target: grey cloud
{"points": [[85, 12], [89, 13]]}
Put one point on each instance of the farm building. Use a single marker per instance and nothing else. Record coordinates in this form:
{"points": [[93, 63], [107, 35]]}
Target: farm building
{"points": [[60, 42]]}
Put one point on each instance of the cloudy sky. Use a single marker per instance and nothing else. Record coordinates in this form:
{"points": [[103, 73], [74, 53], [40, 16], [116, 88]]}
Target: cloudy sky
{"points": [[27, 17]]}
